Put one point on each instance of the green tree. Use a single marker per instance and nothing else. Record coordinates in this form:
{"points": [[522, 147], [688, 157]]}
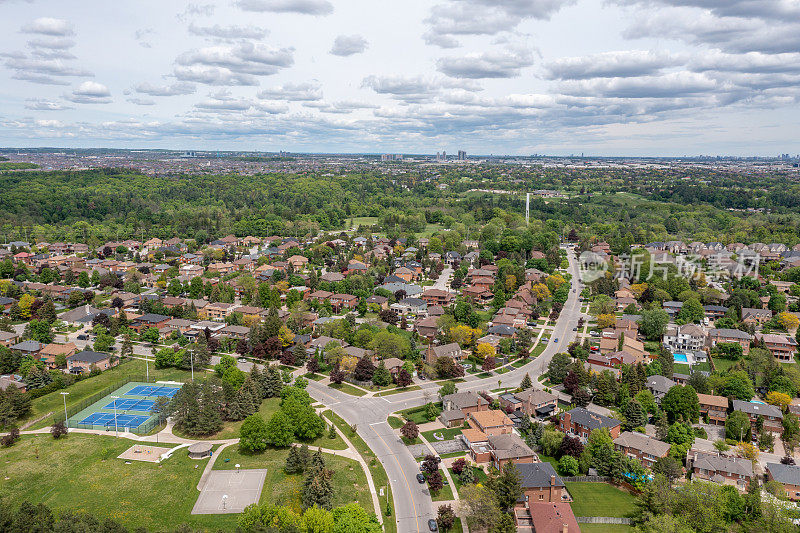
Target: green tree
{"points": [[635, 416], [691, 311], [681, 403], [558, 367], [253, 435], [737, 427], [280, 430]]}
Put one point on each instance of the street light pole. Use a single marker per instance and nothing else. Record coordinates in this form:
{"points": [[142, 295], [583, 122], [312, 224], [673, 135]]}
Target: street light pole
{"points": [[64, 395], [116, 431], [191, 359]]}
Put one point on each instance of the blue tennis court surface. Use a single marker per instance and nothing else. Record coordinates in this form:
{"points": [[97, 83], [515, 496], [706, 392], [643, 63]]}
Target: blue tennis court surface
{"points": [[149, 390], [131, 404], [107, 419]]}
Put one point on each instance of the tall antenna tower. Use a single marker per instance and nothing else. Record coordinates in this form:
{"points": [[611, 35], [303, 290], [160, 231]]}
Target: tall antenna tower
{"points": [[527, 208]]}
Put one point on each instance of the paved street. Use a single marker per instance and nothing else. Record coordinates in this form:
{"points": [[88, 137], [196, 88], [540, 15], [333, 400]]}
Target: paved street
{"points": [[413, 505]]}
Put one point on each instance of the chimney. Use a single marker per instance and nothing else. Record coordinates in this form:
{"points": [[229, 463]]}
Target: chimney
{"points": [[552, 480], [564, 528]]}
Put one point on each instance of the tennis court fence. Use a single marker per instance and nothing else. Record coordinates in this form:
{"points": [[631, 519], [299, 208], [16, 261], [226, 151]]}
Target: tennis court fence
{"points": [[74, 409]]}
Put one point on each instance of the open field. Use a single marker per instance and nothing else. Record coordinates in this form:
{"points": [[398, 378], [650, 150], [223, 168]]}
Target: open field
{"points": [[349, 481], [82, 473]]}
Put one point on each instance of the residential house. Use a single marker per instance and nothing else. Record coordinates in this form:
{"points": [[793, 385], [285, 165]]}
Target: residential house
{"points": [[688, 337], [609, 342], [540, 483], [217, 311], [50, 352], [7, 338], [426, 327], [509, 448], [782, 347], [532, 402], [380, 301], [724, 470], [411, 306], [29, 347], [478, 295], [659, 386], [770, 414], [490, 422], [547, 518], [714, 407], [234, 332], [672, 308], [726, 335], [452, 350], [84, 361], [298, 262], [437, 297], [756, 317], [639, 446], [786, 475], [149, 320], [457, 406], [341, 302], [580, 422]]}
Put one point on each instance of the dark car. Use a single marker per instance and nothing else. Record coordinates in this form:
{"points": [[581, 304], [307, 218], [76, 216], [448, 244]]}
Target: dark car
{"points": [[420, 478], [432, 525], [83, 337]]}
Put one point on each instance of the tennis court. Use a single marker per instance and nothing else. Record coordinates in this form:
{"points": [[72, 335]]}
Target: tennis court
{"points": [[107, 420], [151, 391], [133, 405], [130, 404]]}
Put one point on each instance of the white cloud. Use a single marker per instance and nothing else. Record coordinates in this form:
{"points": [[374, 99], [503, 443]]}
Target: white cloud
{"points": [[348, 45], [90, 92], [49, 26], [497, 64], [303, 7]]}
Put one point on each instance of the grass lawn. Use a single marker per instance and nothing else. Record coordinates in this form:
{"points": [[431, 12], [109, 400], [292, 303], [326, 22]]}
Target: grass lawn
{"points": [[681, 368], [448, 434], [362, 221], [348, 389], [379, 476], [452, 454], [411, 442], [349, 481], [600, 499], [538, 350], [520, 362], [723, 365], [547, 459], [230, 430], [395, 422], [314, 377], [398, 390], [81, 472], [134, 369], [444, 495], [480, 477], [417, 414]]}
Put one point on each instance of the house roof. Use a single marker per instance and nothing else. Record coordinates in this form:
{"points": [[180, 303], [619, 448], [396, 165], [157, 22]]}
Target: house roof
{"points": [[538, 475], [710, 399], [643, 443], [28, 346], [474, 435], [491, 418], [464, 399], [731, 465], [752, 408], [590, 420], [730, 333], [88, 356], [446, 349], [660, 383], [508, 445], [788, 474], [553, 517]]}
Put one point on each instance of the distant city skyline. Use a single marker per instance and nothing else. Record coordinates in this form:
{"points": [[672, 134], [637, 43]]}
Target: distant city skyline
{"points": [[505, 77]]}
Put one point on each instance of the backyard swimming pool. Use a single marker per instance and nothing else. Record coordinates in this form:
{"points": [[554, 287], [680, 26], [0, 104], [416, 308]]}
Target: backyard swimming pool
{"points": [[680, 358]]}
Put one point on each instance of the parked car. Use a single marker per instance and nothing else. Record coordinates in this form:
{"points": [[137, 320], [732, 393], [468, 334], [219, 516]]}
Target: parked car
{"points": [[420, 478], [432, 525], [242, 360], [83, 337]]}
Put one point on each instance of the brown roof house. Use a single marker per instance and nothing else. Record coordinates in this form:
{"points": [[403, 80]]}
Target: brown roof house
{"points": [[490, 422], [639, 446], [452, 350], [51, 351]]}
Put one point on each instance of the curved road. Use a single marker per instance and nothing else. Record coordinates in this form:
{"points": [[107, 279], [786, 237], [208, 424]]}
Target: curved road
{"points": [[412, 502]]}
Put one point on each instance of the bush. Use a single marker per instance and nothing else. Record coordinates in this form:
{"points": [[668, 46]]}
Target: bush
{"points": [[568, 466]]}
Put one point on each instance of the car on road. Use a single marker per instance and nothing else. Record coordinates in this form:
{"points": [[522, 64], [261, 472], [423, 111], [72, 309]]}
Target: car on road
{"points": [[556, 340], [575, 328], [83, 337], [432, 525], [242, 360], [420, 478]]}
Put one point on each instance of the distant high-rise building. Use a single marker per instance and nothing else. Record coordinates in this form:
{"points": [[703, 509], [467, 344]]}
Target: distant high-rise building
{"points": [[462, 155], [391, 157], [441, 156]]}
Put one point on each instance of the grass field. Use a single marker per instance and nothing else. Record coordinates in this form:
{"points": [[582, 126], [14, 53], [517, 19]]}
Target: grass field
{"points": [[600, 499], [480, 477], [444, 495], [136, 369], [723, 365], [379, 477], [448, 434], [347, 389], [538, 350], [395, 422], [398, 390], [349, 481], [81, 472]]}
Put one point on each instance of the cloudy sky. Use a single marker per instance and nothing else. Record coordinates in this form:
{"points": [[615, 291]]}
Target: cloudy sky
{"points": [[613, 77]]}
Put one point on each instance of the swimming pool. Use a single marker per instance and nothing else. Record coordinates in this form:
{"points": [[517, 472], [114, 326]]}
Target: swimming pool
{"points": [[680, 358]]}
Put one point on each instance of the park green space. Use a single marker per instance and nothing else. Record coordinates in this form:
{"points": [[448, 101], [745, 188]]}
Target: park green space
{"points": [[347, 389]]}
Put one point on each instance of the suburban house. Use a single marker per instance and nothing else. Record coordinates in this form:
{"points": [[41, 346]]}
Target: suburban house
{"points": [[546, 518], [84, 361], [786, 475], [437, 297], [51, 351], [610, 343], [466, 402], [688, 337], [29, 347], [426, 327], [540, 483], [724, 470], [340, 302], [715, 407], [727, 335], [298, 262], [149, 320], [580, 422], [771, 415], [7, 338], [782, 347], [659, 386], [490, 422], [756, 316], [452, 350], [532, 402], [510, 448], [639, 446]]}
